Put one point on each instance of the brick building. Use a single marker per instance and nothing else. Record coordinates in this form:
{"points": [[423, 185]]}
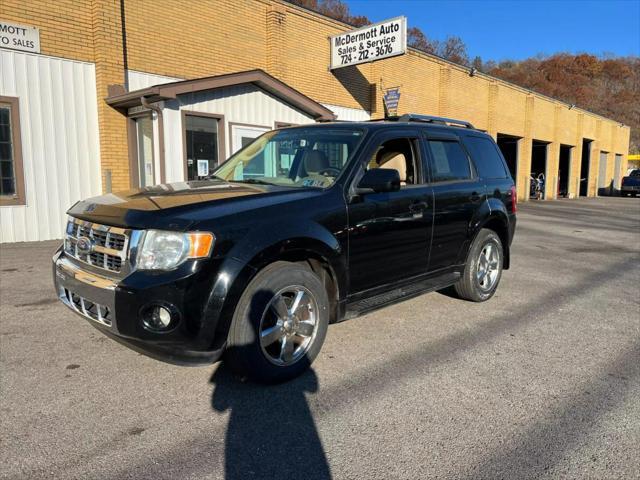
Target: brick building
{"points": [[121, 89]]}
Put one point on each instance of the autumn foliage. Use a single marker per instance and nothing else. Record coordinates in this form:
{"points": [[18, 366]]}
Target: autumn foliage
{"points": [[609, 86]]}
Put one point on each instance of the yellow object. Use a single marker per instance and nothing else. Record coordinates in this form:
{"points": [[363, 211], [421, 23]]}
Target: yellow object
{"points": [[201, 243]]}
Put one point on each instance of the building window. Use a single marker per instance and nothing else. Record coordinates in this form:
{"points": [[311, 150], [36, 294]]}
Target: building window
{"points": [[203, 138], [11, 177]]}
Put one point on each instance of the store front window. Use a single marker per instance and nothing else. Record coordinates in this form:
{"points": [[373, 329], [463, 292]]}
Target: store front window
{"points": [[11, 181], [202, 148]]}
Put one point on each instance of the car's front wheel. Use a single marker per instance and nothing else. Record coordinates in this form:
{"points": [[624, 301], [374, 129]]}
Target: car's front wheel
{"points": [[483, 270], [279, 324]]}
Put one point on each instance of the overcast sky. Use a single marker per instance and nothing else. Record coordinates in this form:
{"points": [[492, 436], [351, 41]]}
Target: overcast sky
{"points": [[498, 30]]}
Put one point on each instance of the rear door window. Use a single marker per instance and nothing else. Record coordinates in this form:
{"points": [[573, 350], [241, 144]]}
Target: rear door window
{"points": [[486, 157], [449, 161]]}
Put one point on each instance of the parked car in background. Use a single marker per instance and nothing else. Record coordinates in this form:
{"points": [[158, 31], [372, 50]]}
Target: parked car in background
{"points": [[631, 184], [334, 220]]}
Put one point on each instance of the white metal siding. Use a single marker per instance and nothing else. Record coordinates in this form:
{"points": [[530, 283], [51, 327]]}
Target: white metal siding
{"points": [[239, 104], [137, 80], [349, 114], [60, 144]]}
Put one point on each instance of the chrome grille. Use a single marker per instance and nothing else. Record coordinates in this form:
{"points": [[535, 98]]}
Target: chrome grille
{"points": [[89, 309], [108, 244]]}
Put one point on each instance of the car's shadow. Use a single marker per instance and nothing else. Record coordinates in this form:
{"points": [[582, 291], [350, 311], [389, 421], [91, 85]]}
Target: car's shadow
{"points": [[271, 432]]}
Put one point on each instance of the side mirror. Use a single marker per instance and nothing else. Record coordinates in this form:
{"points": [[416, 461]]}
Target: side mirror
{"points": [[379, 180]]}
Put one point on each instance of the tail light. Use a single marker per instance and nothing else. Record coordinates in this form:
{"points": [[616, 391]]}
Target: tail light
{"points": [[514, 200]]}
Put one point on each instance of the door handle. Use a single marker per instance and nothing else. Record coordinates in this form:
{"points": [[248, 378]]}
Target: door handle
{"points": [[418, 207], [475, 198]]}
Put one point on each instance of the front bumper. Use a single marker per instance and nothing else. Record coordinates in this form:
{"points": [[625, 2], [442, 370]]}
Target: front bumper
{"points": [[113, 306]]}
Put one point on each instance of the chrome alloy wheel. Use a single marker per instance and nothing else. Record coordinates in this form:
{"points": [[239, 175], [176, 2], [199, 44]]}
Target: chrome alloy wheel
{"points": [[488, 267], [288, 325]]}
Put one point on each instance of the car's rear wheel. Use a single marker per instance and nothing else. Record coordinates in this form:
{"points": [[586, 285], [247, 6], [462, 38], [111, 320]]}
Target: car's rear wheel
{"points": [[279, 324], [483, 270]]}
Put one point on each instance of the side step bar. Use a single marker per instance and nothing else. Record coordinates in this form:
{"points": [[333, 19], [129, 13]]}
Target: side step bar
{"points": [[365, 305]]}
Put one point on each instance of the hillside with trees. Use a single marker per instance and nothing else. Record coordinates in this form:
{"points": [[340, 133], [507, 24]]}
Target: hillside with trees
{"points": [[603, 85], [609, 86]]}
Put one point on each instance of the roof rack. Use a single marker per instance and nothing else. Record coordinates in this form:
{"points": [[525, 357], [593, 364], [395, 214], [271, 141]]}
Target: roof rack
{"points": [[413, 117]]}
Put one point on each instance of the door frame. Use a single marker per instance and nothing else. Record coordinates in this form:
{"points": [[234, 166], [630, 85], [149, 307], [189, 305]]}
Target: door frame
{"points": [[588, 151], [570, 166], [132, 140], [222, 156], [358, 169]]}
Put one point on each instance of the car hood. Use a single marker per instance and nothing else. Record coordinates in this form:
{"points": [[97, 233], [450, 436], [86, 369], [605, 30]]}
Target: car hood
{"points": [[169, 206]]}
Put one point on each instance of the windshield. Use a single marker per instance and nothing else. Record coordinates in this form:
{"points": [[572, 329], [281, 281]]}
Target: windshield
{"points": [[296, 157]]}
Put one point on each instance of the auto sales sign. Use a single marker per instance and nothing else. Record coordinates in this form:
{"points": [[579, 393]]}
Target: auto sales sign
{"points": [[19, 37], [370, 43]]}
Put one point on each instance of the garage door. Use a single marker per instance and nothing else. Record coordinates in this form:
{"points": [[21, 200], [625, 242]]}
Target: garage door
{"points": [[603, 181]]}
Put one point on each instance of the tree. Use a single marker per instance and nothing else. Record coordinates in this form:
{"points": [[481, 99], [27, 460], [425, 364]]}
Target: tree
{"points": [[609, 86], [418, 40], [477, 64], [335, 9], [455, 50]]}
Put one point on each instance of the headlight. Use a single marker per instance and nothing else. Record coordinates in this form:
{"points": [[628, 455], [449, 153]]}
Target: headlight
{"points": [[166, 250]]}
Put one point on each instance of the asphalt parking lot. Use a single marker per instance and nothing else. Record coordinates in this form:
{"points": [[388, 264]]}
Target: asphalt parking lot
{"points": [[542, 381]]}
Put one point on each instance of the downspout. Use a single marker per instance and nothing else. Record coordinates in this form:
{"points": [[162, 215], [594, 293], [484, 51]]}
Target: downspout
{"points": [[158, 111]]}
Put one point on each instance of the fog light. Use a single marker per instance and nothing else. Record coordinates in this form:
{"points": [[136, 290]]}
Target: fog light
{"points": [[157, 318]]}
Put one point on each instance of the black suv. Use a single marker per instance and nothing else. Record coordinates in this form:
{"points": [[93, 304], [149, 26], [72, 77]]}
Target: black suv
{"points": [[305, 226]]}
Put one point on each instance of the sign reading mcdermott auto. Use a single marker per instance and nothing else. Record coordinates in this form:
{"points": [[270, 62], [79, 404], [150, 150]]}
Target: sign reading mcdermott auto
{"points": [[367, 44]]}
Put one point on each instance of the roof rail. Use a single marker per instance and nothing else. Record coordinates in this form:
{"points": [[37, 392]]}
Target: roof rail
{"points": [[413, 117]]}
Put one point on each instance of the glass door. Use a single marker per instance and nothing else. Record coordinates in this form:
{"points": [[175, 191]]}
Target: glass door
{"points": [[146, 165], [201, 137]]}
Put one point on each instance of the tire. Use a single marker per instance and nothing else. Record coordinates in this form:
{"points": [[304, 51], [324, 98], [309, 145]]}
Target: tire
{"points": [[264, 316], [470, 286]]}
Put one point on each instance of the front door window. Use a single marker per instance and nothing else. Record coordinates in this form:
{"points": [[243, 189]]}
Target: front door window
{"points": [[201, 136]]}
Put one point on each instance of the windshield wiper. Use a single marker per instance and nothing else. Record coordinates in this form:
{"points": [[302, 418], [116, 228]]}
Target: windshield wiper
{"points": [[256, 181], [214, 177]]}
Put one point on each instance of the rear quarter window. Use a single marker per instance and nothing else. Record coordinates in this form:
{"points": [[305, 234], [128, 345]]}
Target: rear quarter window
{"points": [[486, 157]]}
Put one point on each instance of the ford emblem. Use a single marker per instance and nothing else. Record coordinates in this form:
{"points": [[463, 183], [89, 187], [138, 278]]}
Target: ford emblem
{"points": [[84, 245]]}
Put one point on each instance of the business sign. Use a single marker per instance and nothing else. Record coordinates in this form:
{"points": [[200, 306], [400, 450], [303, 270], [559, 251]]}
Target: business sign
{"points": [[19, 37], [391, 99], [368, 44]]}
